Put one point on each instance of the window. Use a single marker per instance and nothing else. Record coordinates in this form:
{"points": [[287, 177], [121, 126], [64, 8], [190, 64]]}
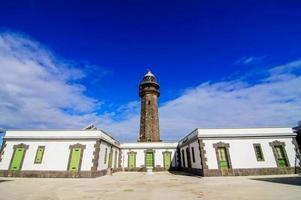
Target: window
{"points": [[115, 160], [105, 159], [258, 152], [183, 156], [39, 155], [193, 157], [188, 157]]}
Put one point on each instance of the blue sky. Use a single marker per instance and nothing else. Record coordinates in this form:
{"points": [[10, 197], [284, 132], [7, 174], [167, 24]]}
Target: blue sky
{"points": [[219, 64]]}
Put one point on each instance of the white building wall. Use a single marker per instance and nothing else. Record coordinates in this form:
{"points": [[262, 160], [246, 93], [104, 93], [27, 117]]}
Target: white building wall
{"points": [[115, 157], [184, 161], [242, 152], [102, 164], [197, 164], [140, 157], [56, 155]]}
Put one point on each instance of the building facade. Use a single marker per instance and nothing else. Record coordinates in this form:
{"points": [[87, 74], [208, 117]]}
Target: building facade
{"points": [[86, 153], [251, 151], [161, 156]]}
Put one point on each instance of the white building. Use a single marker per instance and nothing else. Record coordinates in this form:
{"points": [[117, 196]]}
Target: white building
{"points": [[206, 152], [250, 151], [85, 153], [159, 155]]}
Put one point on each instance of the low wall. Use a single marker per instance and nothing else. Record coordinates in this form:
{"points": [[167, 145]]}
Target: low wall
{"points": [[54, 174]]}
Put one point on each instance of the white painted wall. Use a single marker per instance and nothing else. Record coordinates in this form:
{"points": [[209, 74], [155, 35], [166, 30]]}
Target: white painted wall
{"points": [[140, 148], [184, 161], [197, 164], [242, 152], [101, 162], [56, 155]]}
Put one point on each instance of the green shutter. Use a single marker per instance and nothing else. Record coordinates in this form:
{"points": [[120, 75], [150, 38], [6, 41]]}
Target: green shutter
{"points": [[17, 159], [75, 159], [223, 161], [149, 161], [280, 156], [131, 160], [167, 160], [39, 155]]}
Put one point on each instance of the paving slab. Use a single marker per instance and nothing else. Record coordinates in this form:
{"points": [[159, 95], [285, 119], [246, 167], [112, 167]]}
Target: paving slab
{"points": [[160, 185]]}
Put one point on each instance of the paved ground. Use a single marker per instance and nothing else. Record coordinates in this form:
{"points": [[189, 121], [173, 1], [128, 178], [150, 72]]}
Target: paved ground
{"points": [[132, 185]]}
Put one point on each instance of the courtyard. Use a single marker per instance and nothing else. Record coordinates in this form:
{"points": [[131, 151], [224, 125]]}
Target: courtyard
{"points": [[161, 185]]}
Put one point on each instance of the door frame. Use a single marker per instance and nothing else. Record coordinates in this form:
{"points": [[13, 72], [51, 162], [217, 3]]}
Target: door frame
{"points": [[226, 146], [21, 145], [282, 144], [167, 152], [187, 151], [149, 151], [135, 156], [82, 147]]}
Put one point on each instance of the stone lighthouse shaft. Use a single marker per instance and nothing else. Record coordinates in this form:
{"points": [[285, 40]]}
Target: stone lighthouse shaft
{"points": [[149, 118]]}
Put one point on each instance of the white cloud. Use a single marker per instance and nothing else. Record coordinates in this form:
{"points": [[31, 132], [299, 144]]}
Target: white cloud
{"points": [[272, 102], [246, 60], [39, 90]]}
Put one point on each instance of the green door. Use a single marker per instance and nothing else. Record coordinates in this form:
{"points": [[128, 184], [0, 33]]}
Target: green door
{"points": [[167, 160], [282, 162], [131, 160], [110, 159], [149, 159], [17, 159], [223, 161], [75, 159]]}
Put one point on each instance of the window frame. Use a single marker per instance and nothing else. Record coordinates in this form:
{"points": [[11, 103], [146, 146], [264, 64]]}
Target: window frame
{"points": [[278, 143], [258, 145], [183, 155], [193, 155], [105, 157], [36, 157], [228, 157]]}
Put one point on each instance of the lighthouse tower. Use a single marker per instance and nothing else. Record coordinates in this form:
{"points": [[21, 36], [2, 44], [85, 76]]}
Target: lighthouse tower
{"points": [[149, 119]]}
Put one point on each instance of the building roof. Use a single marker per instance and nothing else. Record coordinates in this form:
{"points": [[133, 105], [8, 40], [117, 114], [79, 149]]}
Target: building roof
{"points": [[145, 145], [59, 135], [216, 133]]}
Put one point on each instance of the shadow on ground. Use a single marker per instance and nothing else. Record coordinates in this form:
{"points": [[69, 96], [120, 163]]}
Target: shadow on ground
{"points": [[2, 181], [181, 173], [282, 180]]}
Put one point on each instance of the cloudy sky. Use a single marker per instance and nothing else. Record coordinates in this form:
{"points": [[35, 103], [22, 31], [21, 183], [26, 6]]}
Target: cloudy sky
{"points": [[218, 65]]}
